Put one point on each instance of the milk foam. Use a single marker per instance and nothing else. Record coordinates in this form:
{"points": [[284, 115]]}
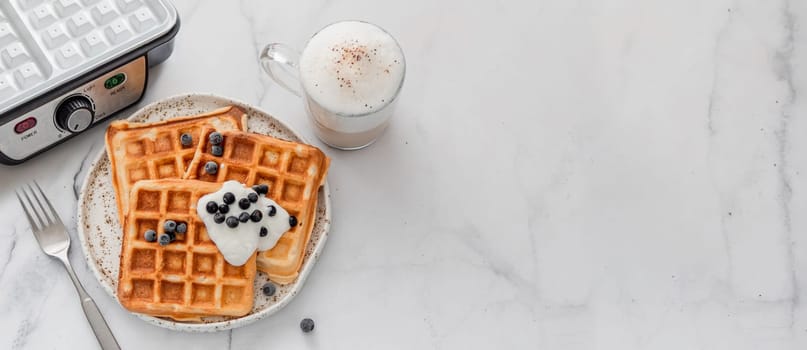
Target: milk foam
{"points": [[352, 68]]}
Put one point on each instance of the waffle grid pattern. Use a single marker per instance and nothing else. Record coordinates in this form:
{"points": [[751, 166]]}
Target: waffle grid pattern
{"points": [[18, 69], [66, 34], [163, 157], [293, 172], [147, 151], [188, 276]]}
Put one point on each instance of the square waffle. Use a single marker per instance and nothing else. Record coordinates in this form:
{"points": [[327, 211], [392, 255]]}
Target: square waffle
{"points": [[293, 171], [187, 278], [144, 151]]}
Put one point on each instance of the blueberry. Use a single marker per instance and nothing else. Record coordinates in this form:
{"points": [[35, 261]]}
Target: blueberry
{"points": [[216, 151], [269, 289], [186, 140], [243, 217], [272, 211], [169, 226], [212, 207], [293, 221], [253, 197], [263, 232], [182, 227], [211, 168], [256, 216], [243, 203], [165, 239], [224, 209], [229, 198], [215, 138], [232, 222], [150, 236], [261, 189], [307, 325], [218, 218]]}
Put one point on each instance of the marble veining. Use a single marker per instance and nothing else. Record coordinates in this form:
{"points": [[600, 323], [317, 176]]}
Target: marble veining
{"points": [[78, 174], [559, 175]]}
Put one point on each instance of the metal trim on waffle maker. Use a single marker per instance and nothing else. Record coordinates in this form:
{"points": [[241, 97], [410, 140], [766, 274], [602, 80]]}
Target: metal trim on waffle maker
{"points": [[160, 47]]}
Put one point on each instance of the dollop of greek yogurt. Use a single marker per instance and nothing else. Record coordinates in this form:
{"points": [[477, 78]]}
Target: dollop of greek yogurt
{"points": [[238, 243]]}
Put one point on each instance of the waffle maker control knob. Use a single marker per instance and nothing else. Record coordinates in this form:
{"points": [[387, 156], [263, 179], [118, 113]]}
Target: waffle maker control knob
{"points": [[75, 114]]}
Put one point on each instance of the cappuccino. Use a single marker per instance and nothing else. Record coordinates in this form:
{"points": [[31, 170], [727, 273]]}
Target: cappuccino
{"points": [[351, 73]]}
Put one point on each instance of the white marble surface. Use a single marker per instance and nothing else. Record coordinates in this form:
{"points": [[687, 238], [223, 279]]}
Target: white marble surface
{"points": [[560, 175]]}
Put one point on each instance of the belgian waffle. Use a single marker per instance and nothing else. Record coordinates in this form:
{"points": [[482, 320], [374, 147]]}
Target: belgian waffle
{"points": [[143, 151], [293, 171], [187, 278]]}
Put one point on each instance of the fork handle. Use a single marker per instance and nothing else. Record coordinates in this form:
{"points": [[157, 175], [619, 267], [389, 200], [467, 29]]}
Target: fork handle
{"points": [[102, 332]]}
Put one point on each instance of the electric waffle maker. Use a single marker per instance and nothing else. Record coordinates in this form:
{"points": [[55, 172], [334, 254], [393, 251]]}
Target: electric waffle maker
{"points": [[66, 65]]}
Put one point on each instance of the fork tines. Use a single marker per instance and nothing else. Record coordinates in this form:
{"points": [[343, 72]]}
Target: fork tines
{"points": [[32, 203]]}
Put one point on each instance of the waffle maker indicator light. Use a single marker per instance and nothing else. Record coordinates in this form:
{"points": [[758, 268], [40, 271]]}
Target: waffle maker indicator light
{"points": [[25, 125], [115, 80]]}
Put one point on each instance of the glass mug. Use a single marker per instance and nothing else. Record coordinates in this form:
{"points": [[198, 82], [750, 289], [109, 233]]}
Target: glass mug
{"points": [[348, 96]]}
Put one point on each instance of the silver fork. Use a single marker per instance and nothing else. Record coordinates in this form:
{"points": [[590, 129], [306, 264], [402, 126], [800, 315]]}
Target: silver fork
{"points": [[54, 241]]}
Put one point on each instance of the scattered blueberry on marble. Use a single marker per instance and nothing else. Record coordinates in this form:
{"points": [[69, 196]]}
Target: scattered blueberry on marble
{"points": [[224, 209], [261, 189], [170, 226], [232, 222], [243, 203], [218, 218], [216, 150], [165, 239], [307, 325], [215, 138], [293, 221], [186, 140], [272, 211], [150, 235], [243, 217], [269, 289], [182, 227], [256, 216], [229, 198], [263, 232], [211, 168], [253, 197], [212, 207]]}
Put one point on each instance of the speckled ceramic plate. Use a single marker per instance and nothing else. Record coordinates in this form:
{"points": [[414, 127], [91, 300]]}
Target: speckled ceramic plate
{"points": [[100, 231]]}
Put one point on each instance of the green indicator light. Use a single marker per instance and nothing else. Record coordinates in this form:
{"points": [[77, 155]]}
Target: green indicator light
{"points": [[115, 80]]}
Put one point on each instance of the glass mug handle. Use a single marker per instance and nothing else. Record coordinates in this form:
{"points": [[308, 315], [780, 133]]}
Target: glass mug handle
{"points": [[281, 63]]}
